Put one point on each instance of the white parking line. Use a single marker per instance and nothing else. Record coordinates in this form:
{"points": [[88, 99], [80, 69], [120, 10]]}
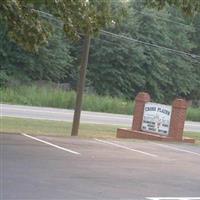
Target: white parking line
{"points": [[51, 144], [173, 198], [127, 148], [177, 149]]}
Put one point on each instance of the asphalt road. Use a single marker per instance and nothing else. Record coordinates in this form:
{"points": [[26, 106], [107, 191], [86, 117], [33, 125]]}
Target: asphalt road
{"points": [[67, 115], [49, 168]]}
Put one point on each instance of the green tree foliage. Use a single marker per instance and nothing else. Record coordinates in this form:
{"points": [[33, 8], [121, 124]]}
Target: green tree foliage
{"points": [[195, 94], [189, 7], [121, 67], [24, 26], [52, 62], [78, 17], [117, 67], [114, 68]]}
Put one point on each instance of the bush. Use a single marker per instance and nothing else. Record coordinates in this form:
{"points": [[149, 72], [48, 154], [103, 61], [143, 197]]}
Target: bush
{"points": [[58, 98], [193, 114], [55, 97]]}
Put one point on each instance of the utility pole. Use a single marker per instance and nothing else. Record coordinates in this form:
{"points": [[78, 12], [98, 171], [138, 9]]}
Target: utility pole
{"points": [[81, 85]]}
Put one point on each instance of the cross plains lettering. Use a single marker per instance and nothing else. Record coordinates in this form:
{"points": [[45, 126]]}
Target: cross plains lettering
{"points": [[156, 118], [158, 109]]}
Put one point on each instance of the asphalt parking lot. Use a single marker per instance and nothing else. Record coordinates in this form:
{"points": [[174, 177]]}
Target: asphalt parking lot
{"points": [[75, 168]]}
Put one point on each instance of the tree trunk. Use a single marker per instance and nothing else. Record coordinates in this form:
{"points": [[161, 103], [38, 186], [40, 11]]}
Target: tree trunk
{"points": [[81, 85]]}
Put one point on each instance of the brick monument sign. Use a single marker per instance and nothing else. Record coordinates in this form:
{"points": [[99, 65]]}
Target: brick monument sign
{"points": [[154, 121]]}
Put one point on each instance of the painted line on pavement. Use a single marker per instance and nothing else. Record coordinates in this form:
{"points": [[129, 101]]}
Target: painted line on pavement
{"points": [[127, 148], [51, 144], [177, 149], [173, 198]]}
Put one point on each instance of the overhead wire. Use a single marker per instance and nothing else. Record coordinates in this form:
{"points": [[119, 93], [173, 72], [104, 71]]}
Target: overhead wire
{"points": [[48, 16], [160, 17], [194, 56], [149, 44], [117, 44]]}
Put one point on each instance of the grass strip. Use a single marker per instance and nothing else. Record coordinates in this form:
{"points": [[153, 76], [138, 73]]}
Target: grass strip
{"points": [[54, 97], [57, 98], [58, 128], [54, 128]]}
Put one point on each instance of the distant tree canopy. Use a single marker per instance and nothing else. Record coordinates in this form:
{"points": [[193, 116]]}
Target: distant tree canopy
{"points": [[126, 67], [189, 7], [35, 46], [53, 62], [78, 16], [29, 30]]}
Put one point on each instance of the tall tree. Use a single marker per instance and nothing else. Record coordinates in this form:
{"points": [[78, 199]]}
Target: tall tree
{"points": [[195, 94], [78, 16], [124, 67], [53, 62], [189, 7]]}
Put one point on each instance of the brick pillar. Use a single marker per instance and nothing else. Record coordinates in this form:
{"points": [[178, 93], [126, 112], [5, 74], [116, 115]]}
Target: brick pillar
{"points": [[140, 101], [179, 108]]}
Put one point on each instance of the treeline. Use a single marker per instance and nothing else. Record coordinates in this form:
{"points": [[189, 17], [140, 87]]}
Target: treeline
{"points": [[118, 66]]}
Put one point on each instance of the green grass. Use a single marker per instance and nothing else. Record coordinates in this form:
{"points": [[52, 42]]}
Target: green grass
{"points": [[49, 97], [38, 96], [193, 114], [55, 128], [196, 136]]}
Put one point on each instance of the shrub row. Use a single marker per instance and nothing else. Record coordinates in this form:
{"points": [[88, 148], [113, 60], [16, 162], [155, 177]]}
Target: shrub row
{"points": [[52, 97]]}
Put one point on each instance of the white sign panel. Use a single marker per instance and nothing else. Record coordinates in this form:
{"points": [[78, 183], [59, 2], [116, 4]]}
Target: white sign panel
{"points": [[156, 118]]}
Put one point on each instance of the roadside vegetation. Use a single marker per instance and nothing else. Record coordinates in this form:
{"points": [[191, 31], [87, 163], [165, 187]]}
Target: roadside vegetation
{"points": [[55, 128], [49, 97], [117, 66], [193, 114], [55, 97], [123, 59]]}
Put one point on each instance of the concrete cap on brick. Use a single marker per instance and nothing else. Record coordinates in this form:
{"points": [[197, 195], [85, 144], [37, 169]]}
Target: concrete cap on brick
{"points": [[143, 96], [180, 103]]}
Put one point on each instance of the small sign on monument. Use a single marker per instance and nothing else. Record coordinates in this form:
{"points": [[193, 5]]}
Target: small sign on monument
{"points": [[156, 118]]}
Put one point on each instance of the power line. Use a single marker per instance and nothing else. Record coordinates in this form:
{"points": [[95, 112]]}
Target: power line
{"points": [[117, 44], [48, 16], [128, 38], [164, 19], [149, 44]]}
